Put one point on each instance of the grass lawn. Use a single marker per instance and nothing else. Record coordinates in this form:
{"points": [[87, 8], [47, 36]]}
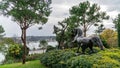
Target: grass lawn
{"points": [[29, 64]]}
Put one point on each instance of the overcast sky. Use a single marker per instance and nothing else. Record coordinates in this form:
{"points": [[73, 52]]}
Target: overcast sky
{"points": [[60, 10]]}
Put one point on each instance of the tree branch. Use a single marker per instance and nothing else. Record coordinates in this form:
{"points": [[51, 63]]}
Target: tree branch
{"points": [[88, 26]]}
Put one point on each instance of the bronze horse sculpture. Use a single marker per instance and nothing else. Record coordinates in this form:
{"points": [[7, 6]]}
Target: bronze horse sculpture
{"points": [[85, 42]]}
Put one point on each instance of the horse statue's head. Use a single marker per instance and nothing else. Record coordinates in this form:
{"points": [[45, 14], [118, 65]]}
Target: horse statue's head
{"points": [[77, 31]]}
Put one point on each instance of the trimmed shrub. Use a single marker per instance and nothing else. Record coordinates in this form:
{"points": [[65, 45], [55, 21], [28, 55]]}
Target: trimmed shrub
{"points": [[56, 58], [79, 62], [103, 59], [109, 58]]}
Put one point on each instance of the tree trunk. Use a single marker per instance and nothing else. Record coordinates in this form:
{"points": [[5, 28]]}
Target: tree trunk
{"points": [[58, 44], [43, 50], [23, 37], [84, 30], [62, 45], [84, 26], [84, 33]]}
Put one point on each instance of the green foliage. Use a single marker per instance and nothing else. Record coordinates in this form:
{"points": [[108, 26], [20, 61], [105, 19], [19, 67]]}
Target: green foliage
{"points": [[64, 33], [35, 11], [117, 25], [43, 43], [33, 57], [105, 43], [99, 28], [79, 62], [1, 31], [10, 60], [109, 36], [4, 44], [87, 15], [109, 58], [26, 13], [14, 53], [1, 37], [8, 41], [84, 15], [57, 58], [14, 50], [60, 32], [103, 59]]}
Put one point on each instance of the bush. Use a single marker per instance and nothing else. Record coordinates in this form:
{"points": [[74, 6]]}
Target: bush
{"points": [[109, 58], [109, 36], [33, 57], [95, 61], [103, 59], [56, 58], [79, 62], [10, 60], [14, 50], [14, 53], [105, 44]]}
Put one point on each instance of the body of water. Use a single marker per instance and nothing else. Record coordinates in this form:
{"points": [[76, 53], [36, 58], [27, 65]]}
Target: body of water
{"points": [[32, 45]]}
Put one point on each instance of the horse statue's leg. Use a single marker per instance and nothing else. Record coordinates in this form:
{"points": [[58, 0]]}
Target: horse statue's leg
{"points": [[90, 45], [83, 46], [79, 45], [91, 49]]}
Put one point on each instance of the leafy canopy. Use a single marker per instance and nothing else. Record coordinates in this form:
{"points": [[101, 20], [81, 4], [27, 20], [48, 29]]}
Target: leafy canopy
{"points": [[29, 11], [116, 21], [87, 14], [110, 36]]}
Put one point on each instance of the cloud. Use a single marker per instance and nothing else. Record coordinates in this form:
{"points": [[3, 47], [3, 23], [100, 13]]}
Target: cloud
{"points": [[9, 26], [111, 4], [113, 14]]}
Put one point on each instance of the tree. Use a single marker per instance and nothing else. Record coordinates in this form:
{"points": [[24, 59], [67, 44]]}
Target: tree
{"points": [[1, 31], [60, 33], [99, 28], [63, 31], [43, 44], [26, 13], [116, 21], [110, 36], [87, 15], [1, 37]]}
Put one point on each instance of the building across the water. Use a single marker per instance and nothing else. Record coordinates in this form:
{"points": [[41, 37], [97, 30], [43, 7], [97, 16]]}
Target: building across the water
{"points": [[36, 38]]}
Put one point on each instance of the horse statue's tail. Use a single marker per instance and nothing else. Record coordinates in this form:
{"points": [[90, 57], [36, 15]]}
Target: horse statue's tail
{"points": [[96, 40]]}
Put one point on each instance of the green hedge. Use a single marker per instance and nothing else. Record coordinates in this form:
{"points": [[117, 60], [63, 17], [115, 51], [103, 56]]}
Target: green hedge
{"points": [[32, 57], [56, 58], [110, 58]]}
